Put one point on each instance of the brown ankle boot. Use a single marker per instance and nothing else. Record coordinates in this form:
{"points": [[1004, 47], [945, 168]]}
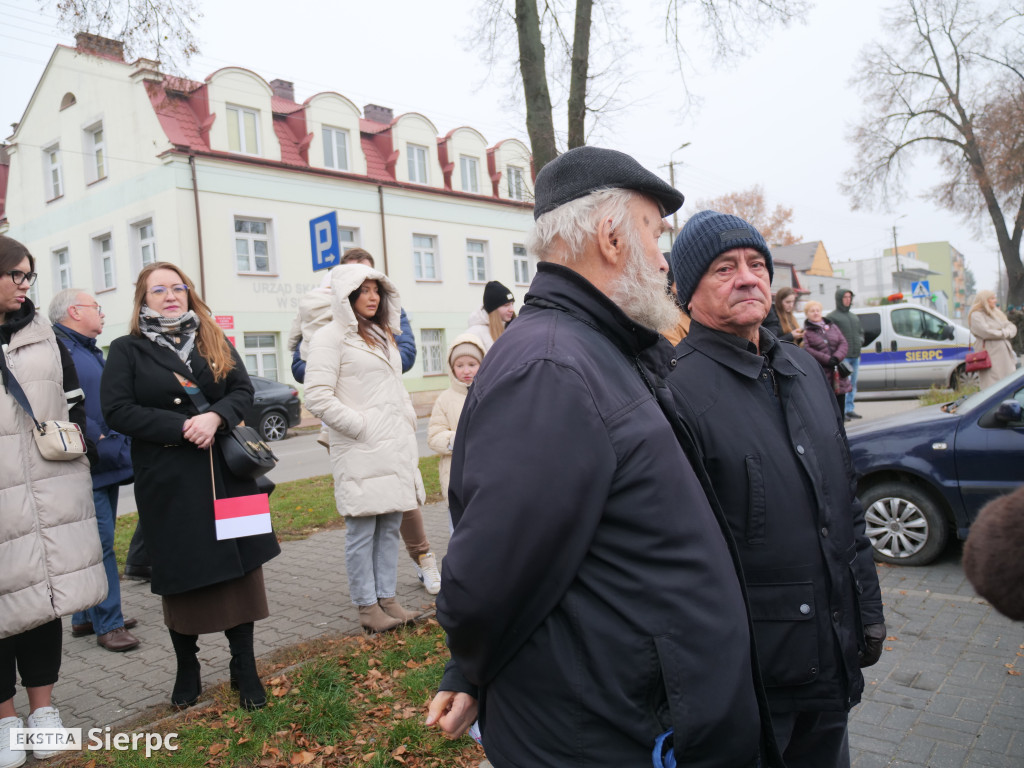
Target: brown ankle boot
{"points": [[392, 608], [373, 619]]}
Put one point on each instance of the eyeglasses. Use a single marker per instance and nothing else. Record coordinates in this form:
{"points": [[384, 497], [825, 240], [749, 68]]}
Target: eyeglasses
{"points": [[97, 307], [161, 290], [20, 277]]}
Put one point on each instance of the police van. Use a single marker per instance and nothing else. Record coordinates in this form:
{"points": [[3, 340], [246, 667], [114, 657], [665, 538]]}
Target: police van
{"points": [[907, 346]]}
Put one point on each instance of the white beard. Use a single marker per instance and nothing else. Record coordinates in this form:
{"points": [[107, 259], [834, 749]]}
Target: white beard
{"points": [[642, 293]]}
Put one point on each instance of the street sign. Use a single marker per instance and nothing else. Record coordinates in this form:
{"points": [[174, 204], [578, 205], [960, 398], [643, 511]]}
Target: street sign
{"points": [[920, 290], [323, 237]]}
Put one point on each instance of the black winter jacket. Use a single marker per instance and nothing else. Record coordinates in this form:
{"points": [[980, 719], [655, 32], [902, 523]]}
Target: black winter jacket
{"points": [[142, 398], [781, 468], [848, 322], [588, 589]]}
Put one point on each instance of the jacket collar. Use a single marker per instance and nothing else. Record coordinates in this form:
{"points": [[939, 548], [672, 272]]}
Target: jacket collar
{"points": [[200, 373], [558, 287], [78, 338], [741, 355]]}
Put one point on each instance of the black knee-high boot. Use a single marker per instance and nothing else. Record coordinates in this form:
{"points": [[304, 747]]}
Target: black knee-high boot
{"points": [[187, 683], [244, 677]]}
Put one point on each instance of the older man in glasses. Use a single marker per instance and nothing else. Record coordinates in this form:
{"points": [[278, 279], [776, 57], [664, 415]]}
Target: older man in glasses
{"points": [[77, 320]]}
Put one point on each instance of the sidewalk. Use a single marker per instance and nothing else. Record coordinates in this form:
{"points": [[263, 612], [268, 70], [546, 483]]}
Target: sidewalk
{"points": [[945, 694]]}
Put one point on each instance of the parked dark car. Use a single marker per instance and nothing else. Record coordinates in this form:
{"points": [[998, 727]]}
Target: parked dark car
{"points": [[275, 408], [930, 470]]}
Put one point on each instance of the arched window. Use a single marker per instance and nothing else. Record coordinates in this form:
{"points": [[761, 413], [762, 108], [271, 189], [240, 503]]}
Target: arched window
{"points": [[68, 100]]}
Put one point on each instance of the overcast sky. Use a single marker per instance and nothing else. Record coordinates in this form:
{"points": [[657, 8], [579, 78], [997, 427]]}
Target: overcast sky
{"points": [[778, 117]]}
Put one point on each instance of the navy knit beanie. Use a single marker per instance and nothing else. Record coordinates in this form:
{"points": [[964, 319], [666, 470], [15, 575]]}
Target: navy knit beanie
{"points": [[705, 237]]}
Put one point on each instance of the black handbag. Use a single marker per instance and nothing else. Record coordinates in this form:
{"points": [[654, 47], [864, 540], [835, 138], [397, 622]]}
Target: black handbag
{"points": [[845, 369], [244, 451]]}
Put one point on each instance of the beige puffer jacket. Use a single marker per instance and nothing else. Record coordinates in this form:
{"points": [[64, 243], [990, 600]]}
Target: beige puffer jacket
{"points": [[444, 419], [51, 563], [314, 314], [358, 393]]}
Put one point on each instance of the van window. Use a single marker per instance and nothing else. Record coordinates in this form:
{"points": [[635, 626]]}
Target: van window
{"points": [[920, 325], [871, 324]]}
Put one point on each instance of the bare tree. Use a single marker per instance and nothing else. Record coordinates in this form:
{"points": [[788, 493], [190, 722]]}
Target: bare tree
{"points": [[595, 53], [750, 206], [950, 82], [158, 29]]}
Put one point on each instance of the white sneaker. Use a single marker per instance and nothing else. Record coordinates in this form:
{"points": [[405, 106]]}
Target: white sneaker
{"points": [[45, 717], [8, 757], [427, 573]]}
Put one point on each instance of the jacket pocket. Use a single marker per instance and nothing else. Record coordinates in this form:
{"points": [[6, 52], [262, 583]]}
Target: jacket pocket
{"points": [[755, 533], [785, 632]]}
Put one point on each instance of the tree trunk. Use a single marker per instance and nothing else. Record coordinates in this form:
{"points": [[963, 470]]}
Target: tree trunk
{"points": [[539, 123], [578, 74]]}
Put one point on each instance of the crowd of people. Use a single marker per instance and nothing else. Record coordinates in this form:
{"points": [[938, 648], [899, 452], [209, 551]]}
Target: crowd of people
{"points": [[651, 454]]}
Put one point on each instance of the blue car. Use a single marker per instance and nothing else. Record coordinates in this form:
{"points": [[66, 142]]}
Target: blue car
{"points": [[924, 473]]}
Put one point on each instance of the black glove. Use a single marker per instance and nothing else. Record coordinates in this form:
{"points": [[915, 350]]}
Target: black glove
{"points": [[833, 361], [874, 636]]}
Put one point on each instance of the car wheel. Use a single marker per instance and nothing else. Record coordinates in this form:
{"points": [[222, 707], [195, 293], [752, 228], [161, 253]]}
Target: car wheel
{"points": [[961, 378], [273, 426], [905, 526]]}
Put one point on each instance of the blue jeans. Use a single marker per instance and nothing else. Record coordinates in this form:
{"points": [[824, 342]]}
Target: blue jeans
{"points": [[106, 616], [371, 556], [855, 364]]}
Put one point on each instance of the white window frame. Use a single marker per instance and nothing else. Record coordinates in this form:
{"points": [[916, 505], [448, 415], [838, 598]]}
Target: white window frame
{"points": [[61, 259], [522, 264], [53, 169], [469, 170], [253, 238], [419, 252], [418, 163], [95, 153], [236, 114], [349, 244], [259, 352], [516, 182], [139, 243], [331, 142], [104, 265], [476, 261], [432, 349]]}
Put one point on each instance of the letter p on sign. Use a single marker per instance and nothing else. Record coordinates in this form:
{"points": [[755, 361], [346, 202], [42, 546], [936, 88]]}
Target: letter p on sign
{"points": [[323, 237]]}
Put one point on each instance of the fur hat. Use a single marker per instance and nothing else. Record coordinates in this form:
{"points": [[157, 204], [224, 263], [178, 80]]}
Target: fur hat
{"points": [[994, 554], [583, 170], [496, 295], [705, 237]]}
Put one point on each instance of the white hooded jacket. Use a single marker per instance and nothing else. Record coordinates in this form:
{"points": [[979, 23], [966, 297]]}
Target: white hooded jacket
{"points": [[358, 393]]}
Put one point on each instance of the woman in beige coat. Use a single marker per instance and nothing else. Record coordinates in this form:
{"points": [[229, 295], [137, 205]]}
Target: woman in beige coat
{"points": [[51, 563], [992, 333], [353, 383]]}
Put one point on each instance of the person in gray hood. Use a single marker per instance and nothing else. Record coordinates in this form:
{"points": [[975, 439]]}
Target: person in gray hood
{"points": [[849, 324]]}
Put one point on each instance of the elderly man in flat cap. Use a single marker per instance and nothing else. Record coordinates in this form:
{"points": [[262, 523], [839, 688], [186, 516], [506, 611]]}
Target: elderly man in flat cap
{"points": [[588, 611], [772, 439]]}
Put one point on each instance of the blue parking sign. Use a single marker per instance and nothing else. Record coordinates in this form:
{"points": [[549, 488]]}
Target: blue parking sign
{"points": [[323, 237]]}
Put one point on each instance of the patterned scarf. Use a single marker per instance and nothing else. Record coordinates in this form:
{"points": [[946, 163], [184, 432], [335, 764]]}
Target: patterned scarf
{"points": [[177, 334]]}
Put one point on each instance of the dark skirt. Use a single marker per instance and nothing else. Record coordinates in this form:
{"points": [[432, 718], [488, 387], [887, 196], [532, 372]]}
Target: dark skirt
{"points": [[218, 606]]}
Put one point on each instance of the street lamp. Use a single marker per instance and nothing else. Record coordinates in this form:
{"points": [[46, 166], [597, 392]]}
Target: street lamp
{"points": [[672, 180], [896, 255]]}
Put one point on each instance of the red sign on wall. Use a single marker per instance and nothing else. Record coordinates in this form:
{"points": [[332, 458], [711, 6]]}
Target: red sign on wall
{"points": [[227, 322]]}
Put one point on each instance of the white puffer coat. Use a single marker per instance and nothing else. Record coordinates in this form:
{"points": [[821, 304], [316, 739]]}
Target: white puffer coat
{"points": [[358, 393], [51, 563], [444, 418], [479, 326]]}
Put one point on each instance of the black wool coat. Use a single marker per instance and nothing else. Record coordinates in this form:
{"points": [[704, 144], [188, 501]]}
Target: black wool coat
{"points": [[774, 445], [588, 591], [142, 398]]}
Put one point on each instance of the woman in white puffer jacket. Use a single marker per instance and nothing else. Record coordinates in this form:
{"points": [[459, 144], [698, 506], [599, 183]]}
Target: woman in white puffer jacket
{"points": [[353, 383]]}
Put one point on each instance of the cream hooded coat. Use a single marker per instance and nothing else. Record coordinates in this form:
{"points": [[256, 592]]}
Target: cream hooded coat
{"points": [[444, 419], [994, 336], [51, 563], [358, 393]]}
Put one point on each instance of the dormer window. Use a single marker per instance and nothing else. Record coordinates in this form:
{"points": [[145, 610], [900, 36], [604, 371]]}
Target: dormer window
{"points": [[470, 169], [336, 149], [417, 163], [243, 130], [516, 187]]}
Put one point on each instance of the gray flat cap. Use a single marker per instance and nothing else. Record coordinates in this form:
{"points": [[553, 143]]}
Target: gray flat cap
{"points": [[583, 170]]}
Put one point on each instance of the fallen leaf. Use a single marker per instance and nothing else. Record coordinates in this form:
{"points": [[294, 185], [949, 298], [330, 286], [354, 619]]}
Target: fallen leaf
{"points": [[1013, 672]]}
